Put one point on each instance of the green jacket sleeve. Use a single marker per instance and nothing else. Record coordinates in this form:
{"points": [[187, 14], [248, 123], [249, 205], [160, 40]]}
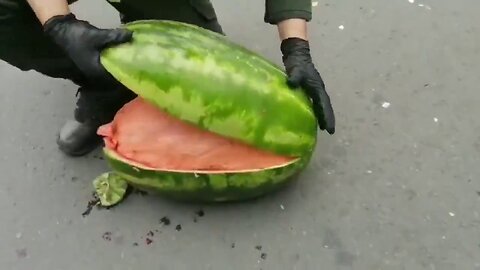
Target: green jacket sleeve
{"points": [[279, 10]]}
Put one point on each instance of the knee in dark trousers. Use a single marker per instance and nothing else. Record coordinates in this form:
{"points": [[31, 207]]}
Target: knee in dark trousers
{"points": [[197, 12], [24, 45]]}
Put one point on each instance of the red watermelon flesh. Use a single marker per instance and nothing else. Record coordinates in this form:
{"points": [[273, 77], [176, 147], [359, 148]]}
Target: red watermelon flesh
{"points": [[146, 135]]}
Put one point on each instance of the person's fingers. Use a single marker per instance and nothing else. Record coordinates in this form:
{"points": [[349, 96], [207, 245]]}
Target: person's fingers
{"points": [[295, 78], [114, 37], [328, 113], [321, 105]]}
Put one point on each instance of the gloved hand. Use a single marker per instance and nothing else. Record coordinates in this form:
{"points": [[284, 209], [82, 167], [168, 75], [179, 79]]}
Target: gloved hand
{"points": [[302, 73], [83, 43]]}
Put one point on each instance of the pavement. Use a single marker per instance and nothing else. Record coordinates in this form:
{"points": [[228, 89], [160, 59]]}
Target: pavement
{"points": [[397, 187]]}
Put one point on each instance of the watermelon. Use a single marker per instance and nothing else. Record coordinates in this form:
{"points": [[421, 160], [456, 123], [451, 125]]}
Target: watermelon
{"points": [[212, 121]]}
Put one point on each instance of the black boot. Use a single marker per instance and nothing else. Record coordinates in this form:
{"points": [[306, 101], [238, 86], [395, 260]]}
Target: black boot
{"points": [[79, 137]]}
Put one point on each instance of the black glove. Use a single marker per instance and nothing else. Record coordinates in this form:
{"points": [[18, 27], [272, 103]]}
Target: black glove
{"points": [[302, 73], [83, 43]]}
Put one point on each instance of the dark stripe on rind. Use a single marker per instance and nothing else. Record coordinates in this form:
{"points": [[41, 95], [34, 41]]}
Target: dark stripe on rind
{"points": [[199, 35], [266, 113], [205, 187], [219, 51]]}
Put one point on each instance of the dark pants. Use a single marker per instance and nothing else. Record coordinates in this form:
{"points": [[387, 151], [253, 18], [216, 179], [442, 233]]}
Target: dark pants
{"points": [[24, 45]]}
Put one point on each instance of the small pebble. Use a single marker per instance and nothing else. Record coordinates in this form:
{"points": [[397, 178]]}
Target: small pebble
{"points": [[435, 119], [18, 235], [200, 213], [341, 27], [386, 104], [282, 207], [165, 220], [21, 253], [314, 3], [451, 214], [107, 236], [411, 1], [178, 227]]}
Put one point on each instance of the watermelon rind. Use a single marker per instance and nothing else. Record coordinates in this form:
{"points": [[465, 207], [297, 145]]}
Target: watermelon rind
{"points": [[204, 187]]}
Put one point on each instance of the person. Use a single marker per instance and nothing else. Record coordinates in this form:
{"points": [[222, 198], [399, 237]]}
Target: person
{"points": [[45, 36]]}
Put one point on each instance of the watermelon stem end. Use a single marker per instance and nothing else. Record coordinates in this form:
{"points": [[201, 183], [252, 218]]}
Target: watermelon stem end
{"points": [[110, 188]]}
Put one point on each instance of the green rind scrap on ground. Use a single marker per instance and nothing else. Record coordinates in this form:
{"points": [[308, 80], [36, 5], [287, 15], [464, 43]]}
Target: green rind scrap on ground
{"points": [[110, 188]]}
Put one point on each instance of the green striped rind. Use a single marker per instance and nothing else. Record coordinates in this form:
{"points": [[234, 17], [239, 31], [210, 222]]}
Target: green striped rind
{"points": [[199, 76], [204, 187]]}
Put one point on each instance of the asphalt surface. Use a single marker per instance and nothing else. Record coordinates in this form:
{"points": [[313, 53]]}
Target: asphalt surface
{"points": [[397, 187]]}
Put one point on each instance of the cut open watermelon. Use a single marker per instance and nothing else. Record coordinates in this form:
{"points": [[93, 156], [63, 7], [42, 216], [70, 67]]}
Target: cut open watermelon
{"points": [[150, 138], [213, 121]]}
